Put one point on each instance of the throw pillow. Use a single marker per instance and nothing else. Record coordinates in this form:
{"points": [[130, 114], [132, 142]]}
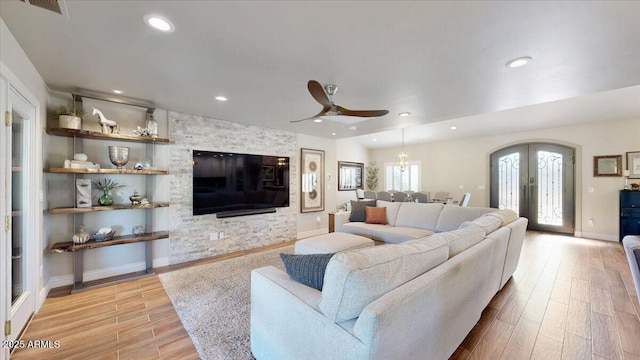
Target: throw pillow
{"points": [[375, 215], [357, 210], [307, 269]]}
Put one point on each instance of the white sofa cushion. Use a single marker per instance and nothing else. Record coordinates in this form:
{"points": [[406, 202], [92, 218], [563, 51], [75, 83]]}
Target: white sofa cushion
{"points": [[363, 229], [421, 216], [354, 279], [399, 234], [391, 210], [461, 239], [507, 216], [487, 222], [452, 216]]}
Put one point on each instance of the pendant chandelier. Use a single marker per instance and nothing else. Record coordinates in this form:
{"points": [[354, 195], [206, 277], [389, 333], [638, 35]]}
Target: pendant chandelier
{"points": [[403, 157]]}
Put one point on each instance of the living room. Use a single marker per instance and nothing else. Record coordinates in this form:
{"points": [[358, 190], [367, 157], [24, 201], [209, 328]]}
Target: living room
{"points": [[590, 106]]}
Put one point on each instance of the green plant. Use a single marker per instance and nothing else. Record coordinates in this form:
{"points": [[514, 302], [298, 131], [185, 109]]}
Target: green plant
{"points": [[65, 110], [372, 175], [105, 185]]}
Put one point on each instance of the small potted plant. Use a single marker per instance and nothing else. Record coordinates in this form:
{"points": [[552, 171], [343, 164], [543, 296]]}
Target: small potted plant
{"points": [[106, 186], [69, 118]]}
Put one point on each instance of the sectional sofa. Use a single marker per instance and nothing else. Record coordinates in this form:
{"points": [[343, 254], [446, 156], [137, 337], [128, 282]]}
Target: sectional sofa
{"points": [[415, 297]]}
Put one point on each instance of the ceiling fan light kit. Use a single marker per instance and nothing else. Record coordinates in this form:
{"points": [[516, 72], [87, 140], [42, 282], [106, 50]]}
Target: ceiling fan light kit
{"points": [[324, 96]]}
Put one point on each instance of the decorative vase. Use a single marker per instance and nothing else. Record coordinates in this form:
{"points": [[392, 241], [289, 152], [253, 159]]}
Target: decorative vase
{"points": [[80, 236], [152, 126], [70, 122], [106, 199]]}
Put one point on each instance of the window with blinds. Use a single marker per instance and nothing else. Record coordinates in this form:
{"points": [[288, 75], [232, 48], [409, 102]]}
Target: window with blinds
{"points": [[396, 179]]}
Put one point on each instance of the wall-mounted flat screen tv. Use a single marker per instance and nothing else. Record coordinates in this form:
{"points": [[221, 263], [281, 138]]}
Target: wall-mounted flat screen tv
{"points": [[239, 184]]}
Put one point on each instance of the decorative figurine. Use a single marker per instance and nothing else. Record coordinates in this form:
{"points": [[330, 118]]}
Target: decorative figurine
{"points": [[81, 236], [135, 198], [138, 230], [106, 123], [138, 166]]}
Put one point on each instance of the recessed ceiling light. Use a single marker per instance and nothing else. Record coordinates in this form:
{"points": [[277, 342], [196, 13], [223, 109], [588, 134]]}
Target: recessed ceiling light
{"points": [[159, 23], [334, 134], [317, 120], [404, 114], [353, 127], [453, 128], [374, 139], [521, 61], [221, 98], [117, 91]]}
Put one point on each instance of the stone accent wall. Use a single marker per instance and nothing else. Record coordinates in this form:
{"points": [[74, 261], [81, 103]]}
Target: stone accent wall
{"points": [[189, 235]]}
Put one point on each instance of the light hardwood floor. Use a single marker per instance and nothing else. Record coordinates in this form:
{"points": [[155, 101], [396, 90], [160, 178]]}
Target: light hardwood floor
{"points": [[570, 298]]}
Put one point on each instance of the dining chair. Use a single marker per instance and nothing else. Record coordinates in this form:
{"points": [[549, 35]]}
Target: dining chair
{"points": [[441, 195], [464, 202], [384, 195], [421, 197], [400, 196], [368, 194]]}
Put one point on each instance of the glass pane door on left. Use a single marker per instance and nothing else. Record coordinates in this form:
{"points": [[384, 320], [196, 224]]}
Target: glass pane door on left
{"points": [[20, 205]]}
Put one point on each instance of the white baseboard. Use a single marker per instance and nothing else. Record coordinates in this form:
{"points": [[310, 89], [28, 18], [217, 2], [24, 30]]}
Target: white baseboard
{"points": [[63, 280], [586, 235], [306, 234]]}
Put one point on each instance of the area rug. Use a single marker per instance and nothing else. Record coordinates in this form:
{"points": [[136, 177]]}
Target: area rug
{"points": [[213, 302]]}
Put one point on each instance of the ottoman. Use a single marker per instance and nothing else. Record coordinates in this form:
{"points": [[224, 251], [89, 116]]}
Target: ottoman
{"points": [[331, 243]]}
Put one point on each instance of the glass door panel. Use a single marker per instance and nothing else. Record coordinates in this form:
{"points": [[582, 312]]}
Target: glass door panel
{"points": [[18, 280]]}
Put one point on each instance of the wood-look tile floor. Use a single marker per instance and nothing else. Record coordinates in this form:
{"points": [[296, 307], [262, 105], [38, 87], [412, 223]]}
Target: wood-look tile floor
{"points": [[132, 320], [570, 298]]}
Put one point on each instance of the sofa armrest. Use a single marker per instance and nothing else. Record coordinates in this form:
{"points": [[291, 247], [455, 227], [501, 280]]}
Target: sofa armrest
{"points": [[516, 238], [632, 250], [286, 324], [341, 218]]}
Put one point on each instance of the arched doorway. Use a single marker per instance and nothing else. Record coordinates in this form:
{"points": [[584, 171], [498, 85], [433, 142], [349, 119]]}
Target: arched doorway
{"points": [[536, 180]]}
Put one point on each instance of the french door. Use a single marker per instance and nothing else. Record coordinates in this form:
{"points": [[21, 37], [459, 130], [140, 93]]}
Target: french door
{"points": [[537, 181], [19, 206]]}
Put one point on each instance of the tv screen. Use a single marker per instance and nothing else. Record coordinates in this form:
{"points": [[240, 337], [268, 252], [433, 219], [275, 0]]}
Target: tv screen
{"points": [[233, 183]]}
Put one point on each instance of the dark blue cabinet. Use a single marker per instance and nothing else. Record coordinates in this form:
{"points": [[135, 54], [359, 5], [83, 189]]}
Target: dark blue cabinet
{"points": [[629, 213]]}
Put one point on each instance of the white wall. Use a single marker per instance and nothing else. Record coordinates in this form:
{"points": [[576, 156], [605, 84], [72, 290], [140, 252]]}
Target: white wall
{"points": [[449, 164]]}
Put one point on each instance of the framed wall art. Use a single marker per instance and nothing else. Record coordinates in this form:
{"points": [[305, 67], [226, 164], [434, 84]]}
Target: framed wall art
{"points": [[608, 165], [350, 175], [311, 180], [633, 164]]}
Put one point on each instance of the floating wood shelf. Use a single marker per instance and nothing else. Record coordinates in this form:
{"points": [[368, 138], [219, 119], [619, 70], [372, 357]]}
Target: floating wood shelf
{"points": [[107, 171], [117, 240], [87, 134], [74, 210], [16, 169], [16, 213]]}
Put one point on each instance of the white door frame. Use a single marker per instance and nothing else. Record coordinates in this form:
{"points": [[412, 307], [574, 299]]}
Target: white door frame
{"points": [[14, 92]]}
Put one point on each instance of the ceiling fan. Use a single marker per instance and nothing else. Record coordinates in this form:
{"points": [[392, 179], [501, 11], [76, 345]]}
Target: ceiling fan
{"points": [[331, 109]]}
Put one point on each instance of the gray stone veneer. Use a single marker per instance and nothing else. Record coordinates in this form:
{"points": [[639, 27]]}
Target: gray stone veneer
{"points": [[189, 235]]}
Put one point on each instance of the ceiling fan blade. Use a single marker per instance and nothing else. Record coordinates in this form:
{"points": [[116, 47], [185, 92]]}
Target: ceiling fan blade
{"points": [[361, 113], [318, 93], [321, 113]]}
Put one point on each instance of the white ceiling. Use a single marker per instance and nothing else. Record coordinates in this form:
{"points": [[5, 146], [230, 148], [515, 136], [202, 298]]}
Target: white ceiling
{"points": [[442, 61]]}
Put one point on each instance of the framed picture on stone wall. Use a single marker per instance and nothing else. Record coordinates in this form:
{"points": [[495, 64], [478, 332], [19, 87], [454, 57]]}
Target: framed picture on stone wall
{"points": [[311, 180]]}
